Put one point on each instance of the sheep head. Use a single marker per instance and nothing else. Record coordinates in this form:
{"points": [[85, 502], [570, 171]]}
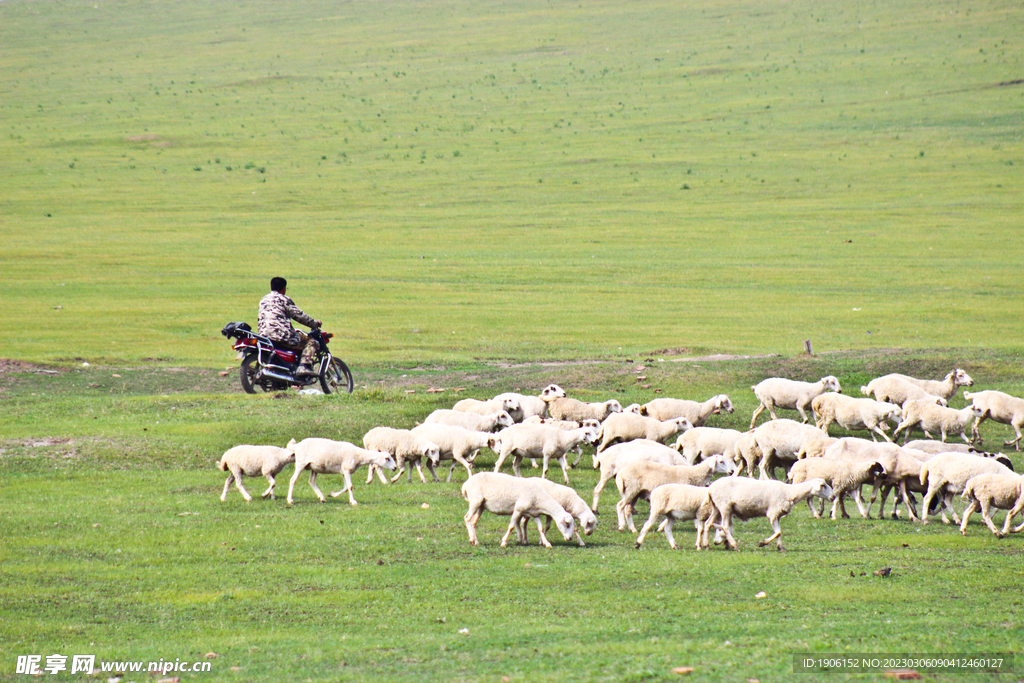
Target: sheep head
{"points": [[566, 525], [961, 378], [831, 383], [551, 392]]}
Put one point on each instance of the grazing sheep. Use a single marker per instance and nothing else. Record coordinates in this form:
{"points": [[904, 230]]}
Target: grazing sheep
{"points": [[779, 441], [456, 444], [743, 498], [1001, 491], [936, 447], [854, 413], [561, 407], [905, 478], [947, 473], [471, 421], [540, 441], [929, 418], [565, 425], [620, 454], [627, 427], [701, 442], [843, 476], [674, 502], [945, 388], [776, 392], [504, 494], [403, 445], [640, 477], [508, 404], [1000, 407], [694, 411], [895, 389], [573, 504], [253, 461], [323, 456]]}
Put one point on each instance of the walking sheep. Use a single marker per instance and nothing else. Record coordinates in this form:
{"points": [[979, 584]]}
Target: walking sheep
{"points": [[854, 413], [471, 421], [1001, 491], [743, 498], [945, 388], [253, 461], [897, 390], [540, 441], [779, 441], [928, 417], [640, 477], [674, 502], [844, 477], [701, 442], [694, 411], [561, 407], [776, 392], [405, 447], [323, 456], [948, 473], [504, 494], [508, 404], [573, 504], [627, 427], [455, 444], [610, 460], [1000, 407]]}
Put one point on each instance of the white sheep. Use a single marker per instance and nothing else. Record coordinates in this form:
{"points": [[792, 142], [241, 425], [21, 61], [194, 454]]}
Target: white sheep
{"points": [[674, 502], [323, 456], [627, 427], [928, 417], [561, 407], [853, 449], [905, 479], [946, 474], [471, 421], [776, 392], [405, 447], [573, 504], [745, 453], [944, 388], [504, 494], [620, 454], [743, 498], [456, 444], [540, 441], [854, 413], [843, 476], [529, 405], [779, 441], [999, 407], [696, 412], [506, 403], [565, 425], [640, 477], [701, 442], [896, 389], [253, 461], [1001, 491]]}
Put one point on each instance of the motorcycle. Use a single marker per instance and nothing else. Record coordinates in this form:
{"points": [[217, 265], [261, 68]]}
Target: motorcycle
{"points": [[271, 368]]}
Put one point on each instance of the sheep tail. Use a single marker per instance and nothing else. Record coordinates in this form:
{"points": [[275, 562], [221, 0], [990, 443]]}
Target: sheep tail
{"points": [[222, 466]]}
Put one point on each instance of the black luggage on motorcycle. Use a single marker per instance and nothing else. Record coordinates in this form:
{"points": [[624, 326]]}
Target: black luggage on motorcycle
{"points": [[236, 330]]}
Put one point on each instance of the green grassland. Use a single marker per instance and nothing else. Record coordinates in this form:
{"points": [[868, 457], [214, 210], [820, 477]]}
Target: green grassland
{"points": [[116, 544], [513, 180]]}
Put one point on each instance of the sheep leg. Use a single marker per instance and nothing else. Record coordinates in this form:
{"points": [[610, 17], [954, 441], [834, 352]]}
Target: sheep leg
{"points": [[269, 493], [237, 472], [430, 468], [227, 486], [801, 408], [1018, 506], [317, 491], [968, 511], [705, 530], [647, 527], [400, 469], [1015, 442], [757, 412], [975, 434], [544, 469], [512, 525], [419, 470], [533, 463], [986, 514], [926, 504], [380, 472], [460, 459], [369, 474], [886, 490], [347, 487], [813, 508], [764, 463], [501, 459], [565, 468], [881, 432], [668, 533], [471, 518], [579, 456], [516, 460], [777, 536], [947, 504], [726, 531], [908, 500], [605, 478], [291, 482], [865, 512]]}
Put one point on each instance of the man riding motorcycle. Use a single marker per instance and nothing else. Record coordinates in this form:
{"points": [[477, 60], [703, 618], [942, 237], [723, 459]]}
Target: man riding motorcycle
{"points": [[276, 313]]}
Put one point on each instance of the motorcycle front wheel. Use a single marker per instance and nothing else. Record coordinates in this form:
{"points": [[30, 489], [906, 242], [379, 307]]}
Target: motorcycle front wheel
{"points": [[336, 378], [247, 373]]}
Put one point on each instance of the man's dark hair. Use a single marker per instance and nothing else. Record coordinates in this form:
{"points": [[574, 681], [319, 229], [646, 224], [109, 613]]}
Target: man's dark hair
{"points": [[278, 284]]}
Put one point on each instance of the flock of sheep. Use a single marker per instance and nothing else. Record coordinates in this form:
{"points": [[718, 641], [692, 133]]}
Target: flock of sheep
{"points": [[680, 480]]}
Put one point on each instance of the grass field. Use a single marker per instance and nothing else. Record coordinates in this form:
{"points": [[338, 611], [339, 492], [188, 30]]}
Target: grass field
{"points": [[514, 180], [488, 196]]}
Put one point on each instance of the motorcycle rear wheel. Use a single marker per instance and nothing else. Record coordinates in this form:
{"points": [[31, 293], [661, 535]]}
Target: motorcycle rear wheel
{"points": [[337, 378], [247, 373]]}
